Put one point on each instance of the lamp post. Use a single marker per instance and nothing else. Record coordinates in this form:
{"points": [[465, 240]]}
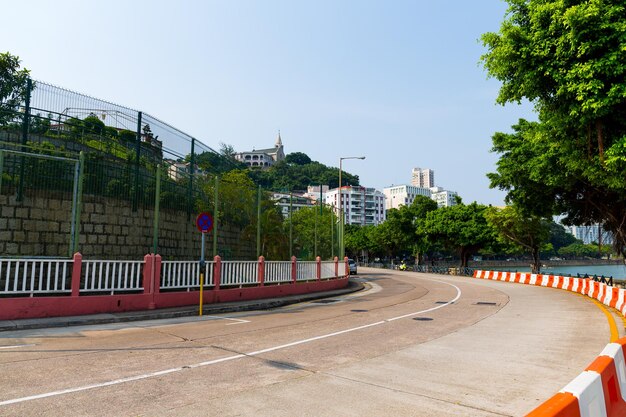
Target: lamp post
{"points": [[341, 216]]}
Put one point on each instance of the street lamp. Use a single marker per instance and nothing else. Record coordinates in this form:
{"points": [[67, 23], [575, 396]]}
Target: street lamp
{"points": [[341, 216]]}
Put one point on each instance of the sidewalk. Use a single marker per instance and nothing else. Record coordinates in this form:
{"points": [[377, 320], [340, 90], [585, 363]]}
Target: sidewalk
{"points": [[169, 313]]}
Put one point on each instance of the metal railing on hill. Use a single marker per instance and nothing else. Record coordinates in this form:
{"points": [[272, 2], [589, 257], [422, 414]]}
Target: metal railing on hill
{"points": [[83, 174]]}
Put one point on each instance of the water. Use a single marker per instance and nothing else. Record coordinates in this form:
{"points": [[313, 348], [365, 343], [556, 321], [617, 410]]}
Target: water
{"points": [[615, 271]]}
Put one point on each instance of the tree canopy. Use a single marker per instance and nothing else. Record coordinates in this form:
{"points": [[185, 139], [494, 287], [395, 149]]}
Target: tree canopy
{"points": [[295, 173], [462, 228], [13, 86], [527, 232], [568, 59]]}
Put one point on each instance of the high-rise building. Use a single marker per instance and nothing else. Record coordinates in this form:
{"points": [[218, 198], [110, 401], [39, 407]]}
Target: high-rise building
{"points": [[360, 205], [403, 195], [424, 178], [444, 198], [591, 234]]}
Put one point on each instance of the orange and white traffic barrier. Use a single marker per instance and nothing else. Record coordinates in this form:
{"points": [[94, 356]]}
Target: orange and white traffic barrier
{"points": [[599, 391]]}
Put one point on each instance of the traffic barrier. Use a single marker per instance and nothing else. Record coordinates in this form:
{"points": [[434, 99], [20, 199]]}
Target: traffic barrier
{"points": [[600, 390]]}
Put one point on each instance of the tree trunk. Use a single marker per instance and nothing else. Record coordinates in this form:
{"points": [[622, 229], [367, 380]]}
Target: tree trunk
{"points": [[600, 140], [464, 254], [536, 265]]}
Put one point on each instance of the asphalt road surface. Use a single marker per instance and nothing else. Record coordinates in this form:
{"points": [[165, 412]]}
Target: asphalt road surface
{"points": [[409, 345]]}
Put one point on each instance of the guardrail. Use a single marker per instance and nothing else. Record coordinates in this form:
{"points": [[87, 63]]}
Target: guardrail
{"points": [[277, 272], [185, 275], [600, 390], [329, 270], [239, 273], [430, 269], [111, 276], [306, 271], [99, 286], [19, 277]]}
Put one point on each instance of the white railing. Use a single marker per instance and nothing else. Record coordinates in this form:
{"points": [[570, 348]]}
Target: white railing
{"points": [[236, 273], [328, 269], [20, 277], [277, 272], [185, 275], [306, 271], [111, 276], [35, 276]]}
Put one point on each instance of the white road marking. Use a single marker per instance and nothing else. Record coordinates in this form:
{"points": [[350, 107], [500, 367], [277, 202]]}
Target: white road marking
{"points": [[227, 358], [16, 346], [238, 321]]}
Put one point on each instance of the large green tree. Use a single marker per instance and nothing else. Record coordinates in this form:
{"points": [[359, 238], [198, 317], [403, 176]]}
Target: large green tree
{"points": [[527, 232], [461, 228], [312, 228], [13, 86], [568, 58]]}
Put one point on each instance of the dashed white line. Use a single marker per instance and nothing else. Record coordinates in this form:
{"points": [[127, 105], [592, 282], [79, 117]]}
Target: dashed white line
{"points": [[227, 358], [17, 346]]}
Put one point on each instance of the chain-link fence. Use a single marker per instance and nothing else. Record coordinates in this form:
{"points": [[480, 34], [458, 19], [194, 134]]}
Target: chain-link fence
{"points": [[82, 174]]}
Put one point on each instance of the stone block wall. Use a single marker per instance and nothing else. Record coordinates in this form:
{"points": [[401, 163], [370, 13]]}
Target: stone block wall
{"points": [[40, 225]]}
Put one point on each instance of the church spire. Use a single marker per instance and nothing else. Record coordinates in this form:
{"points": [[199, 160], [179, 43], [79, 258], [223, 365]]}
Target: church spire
{"points": [[279, 142]]}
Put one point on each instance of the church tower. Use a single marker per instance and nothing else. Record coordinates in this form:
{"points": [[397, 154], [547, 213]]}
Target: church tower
{"points": [[280, 153]]}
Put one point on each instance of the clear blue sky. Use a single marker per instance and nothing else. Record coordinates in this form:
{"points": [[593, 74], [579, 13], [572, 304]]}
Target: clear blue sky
{"points": [[397, 81]]}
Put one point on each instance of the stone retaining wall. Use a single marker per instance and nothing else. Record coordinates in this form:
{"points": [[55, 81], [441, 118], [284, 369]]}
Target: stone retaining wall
{"points": [[40, 226]]}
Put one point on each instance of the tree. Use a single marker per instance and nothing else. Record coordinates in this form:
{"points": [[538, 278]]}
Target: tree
{"points": [[297, 158], [462, 228], [528, 232], [13, 87], [559, 237], [567, 58], [309, 224], [93, 124]]}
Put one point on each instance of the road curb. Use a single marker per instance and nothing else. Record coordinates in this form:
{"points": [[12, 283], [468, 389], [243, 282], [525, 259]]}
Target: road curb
{"points": [[188, 311]]}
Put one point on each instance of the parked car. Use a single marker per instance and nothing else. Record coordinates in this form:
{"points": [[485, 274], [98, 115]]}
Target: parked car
{"points": [[352, 266]]}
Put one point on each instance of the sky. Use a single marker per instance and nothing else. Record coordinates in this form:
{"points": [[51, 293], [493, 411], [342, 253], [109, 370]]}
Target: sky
{"points": [[398, 82]]}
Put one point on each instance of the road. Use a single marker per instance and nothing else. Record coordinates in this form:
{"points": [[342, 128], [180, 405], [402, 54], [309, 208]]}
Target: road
{"points": [[409, 345]]}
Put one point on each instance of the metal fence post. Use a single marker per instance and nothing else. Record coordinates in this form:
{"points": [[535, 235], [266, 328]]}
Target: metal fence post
{"points": [[137, 156], [215, 216], [74, 208], [258, 222], [291, 224], [332, 233], [79, 199], [2, 169], [25, 128], [192, 163], [315, 252], [157, 203]]}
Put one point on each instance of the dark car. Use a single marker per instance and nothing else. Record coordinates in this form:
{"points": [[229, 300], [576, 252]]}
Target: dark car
{"points": [[352, 266]]}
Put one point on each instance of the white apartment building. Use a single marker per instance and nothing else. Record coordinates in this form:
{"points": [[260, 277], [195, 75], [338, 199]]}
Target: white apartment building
{"points": [[444, 198], [294, 202], [316, 192], [591, 234], [403, 195], [361, 206], [177, 170], [423, 178]]}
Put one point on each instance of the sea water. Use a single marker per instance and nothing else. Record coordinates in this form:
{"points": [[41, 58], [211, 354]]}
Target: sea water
{"points": [[615, 271]]}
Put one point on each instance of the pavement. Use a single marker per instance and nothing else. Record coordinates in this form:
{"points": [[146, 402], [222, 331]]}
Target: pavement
{"points": [[169, 313]]}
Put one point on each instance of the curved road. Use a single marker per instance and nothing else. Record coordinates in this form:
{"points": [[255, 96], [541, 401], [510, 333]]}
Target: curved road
{"points": [[410, 345]]}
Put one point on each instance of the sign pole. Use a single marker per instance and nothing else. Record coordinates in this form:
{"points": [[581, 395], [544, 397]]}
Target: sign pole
{"points": [[202, 265], [204, 223]]}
